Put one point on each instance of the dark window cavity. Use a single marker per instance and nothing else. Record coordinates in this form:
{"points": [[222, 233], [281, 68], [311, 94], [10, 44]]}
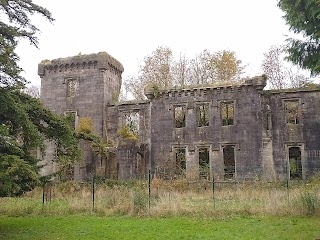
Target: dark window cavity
{"points": [[227, 113], [292, 111], [268, 121], [295, 163], [180, 116], [180, 161], [229, 162], [203, 115], [204, 163]]}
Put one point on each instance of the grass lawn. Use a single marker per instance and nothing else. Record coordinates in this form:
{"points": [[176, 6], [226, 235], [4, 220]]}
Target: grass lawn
{"points": [[94, 227]]}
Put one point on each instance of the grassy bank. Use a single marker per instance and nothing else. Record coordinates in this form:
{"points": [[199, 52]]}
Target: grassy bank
{"points": [[170, 198], [94, 227]]}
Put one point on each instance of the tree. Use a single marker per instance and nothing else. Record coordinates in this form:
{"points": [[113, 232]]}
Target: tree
{"points": [[155, 69], [297, 79], [272, 66], [160, 70], [280, 74], [200, 67], [225, 67], [218, 67], [15, 24], [33, 91], [303, 16], [24, 122], [180, 71]]}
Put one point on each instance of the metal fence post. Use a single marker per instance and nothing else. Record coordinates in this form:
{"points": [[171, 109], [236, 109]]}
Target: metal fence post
{"points": [[149, 187], [287, 181], [43, 189], [213, 198], [93, 177]]}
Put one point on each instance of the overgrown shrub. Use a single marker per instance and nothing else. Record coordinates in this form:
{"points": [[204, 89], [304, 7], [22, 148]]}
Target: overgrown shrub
{"points": [[309, 201]]}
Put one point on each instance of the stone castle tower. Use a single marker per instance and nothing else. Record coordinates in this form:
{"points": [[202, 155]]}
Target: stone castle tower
{"points": [[234, 131], [80, 86]]}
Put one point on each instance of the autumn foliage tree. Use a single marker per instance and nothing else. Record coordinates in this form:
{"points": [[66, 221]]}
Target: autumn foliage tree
{"points": [[160, 69], [217, 67], [155, 69], [225, 67], [200, 68], [181, 71]]}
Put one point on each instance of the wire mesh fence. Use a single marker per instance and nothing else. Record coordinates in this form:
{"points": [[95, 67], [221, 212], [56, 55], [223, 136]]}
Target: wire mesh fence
{"points": [[154, 196]]}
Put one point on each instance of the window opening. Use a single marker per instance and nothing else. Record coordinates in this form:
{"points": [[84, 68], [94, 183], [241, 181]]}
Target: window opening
{"points": [[139, 166], [292, 112], [203, 115], [295, 163], [229, 162], [227, 112], [71, 118], [71, 87], [69, 172], [180, 116], [132, 122], [204, 163], [268, 121], [180, 161]]}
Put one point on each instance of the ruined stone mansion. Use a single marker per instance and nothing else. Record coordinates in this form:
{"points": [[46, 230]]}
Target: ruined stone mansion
{"points": [[236, 132]]}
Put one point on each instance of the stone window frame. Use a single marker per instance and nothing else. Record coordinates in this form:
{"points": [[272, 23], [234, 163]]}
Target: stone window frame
{"points": [[301, 145], [236, 148], [75, 80], [201, 146], [174, 149], [198, 104], [124, 123], [76, 118], [231, 102], [184, 108], [266, 117], [298, 119]]}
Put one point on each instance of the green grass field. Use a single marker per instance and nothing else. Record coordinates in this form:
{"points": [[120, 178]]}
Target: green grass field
{"points": [[95, 227], [177, 210]]}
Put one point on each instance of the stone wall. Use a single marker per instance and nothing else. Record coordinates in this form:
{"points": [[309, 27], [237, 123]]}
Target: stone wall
{"points": [[244, 134], [236, 132], [305, 134], [82, 86], [132, 154]]}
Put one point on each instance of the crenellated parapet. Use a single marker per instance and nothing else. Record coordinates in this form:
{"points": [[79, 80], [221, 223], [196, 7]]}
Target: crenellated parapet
{"points": [[100, 61], [258, 83]]}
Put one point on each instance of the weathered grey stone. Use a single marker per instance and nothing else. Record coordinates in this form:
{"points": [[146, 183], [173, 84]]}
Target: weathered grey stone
{"points": [[257, 137], [97, 82]]}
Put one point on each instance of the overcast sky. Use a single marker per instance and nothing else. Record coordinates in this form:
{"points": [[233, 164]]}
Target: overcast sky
{"points": [[130, 30]]}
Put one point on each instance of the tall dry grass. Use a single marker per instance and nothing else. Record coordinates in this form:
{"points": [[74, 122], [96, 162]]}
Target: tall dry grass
{"points": [[170, 198]]}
